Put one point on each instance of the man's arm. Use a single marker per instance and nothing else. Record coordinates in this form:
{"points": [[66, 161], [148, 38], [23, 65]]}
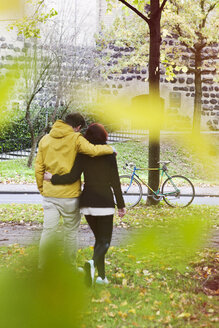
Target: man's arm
{"points": [[85, 147], [39, 169]]}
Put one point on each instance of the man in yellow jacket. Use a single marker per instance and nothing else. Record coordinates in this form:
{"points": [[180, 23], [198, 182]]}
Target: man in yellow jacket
{"points": [[56, 154]]}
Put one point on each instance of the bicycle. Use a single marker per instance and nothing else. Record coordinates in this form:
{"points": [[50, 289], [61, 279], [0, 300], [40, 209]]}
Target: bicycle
{"points": [[176, 190]]}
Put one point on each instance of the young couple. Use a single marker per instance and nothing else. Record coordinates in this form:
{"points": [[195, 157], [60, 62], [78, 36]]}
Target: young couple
{"points": [[63, 155]]}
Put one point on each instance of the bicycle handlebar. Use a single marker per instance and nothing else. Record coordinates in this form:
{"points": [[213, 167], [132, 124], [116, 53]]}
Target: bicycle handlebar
{"points": [[131, 165]]}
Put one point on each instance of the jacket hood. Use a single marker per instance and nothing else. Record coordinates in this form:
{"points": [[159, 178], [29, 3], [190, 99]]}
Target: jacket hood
{"points": [[60, 129]]}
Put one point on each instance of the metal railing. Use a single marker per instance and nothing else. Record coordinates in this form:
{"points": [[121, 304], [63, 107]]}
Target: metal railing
{"points": [[14, 148], [20, 148]]}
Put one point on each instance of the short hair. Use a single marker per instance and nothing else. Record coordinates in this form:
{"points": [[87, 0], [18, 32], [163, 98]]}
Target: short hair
{"points": [[75, 119], [96, 134]]}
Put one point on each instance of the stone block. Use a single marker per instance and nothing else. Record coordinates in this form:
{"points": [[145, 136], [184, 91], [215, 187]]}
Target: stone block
{"points": [[189, 80], [213, 101], [124, 70], [4, 45], [174, 80], [181, 80]]}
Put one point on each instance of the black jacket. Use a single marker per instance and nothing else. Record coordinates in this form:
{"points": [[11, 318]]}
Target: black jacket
{"points": [[100, 174]]}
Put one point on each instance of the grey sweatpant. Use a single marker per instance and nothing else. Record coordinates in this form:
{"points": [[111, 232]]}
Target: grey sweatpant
{"points": [[68, 208]]}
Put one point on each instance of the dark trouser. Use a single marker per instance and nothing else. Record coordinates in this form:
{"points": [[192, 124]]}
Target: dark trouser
{"points": [[102, 227]]}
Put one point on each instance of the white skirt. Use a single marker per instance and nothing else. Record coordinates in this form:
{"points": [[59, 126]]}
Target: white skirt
{"points": [[97, 211]]}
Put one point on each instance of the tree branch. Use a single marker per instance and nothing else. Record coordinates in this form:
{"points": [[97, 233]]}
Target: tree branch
{"points": [[163, 5], [191, 70], [135, 10]]}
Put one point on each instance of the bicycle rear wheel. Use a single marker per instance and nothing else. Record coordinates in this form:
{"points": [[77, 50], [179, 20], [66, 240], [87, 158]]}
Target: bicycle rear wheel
{"points": [[131, 191], [178, 191]]}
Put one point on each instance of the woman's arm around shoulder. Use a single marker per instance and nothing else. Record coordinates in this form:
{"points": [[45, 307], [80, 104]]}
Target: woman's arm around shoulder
{"points": [[70, 177]]}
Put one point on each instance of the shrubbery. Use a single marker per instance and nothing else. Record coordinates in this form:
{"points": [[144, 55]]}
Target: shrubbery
{"points": [[16, 135]]}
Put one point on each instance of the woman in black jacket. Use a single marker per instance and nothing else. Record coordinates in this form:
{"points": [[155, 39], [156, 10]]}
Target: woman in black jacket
{"points": [[96, 200]]}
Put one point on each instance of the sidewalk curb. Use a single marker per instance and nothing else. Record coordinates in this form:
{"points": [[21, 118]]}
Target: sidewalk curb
{"points": [[37, 193]]}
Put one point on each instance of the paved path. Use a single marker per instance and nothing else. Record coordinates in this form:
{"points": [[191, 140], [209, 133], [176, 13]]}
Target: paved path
{"points": [[26, 234], [28, 194]]}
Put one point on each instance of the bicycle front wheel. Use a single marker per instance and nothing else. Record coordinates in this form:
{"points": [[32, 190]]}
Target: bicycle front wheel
{"points": [[131, 190], [178, 191]]}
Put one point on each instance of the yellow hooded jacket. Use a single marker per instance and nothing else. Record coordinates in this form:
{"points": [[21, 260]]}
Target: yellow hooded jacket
{"points": [[56, 154]]}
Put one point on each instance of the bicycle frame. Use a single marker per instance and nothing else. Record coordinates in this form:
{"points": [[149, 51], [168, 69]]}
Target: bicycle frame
{"points": [[162, 174]]}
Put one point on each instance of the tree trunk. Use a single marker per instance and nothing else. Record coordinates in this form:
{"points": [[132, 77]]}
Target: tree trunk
{"points": [[32, 152], [154, 92], [198, 94]]}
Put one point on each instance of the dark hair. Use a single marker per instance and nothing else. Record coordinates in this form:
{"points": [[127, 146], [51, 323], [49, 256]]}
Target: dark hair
{"points": [[75, 119], [96, 134]]}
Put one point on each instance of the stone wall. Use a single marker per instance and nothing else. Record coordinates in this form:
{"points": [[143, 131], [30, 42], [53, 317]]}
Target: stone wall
{"points": [[133, 81], [178, 94], [76, 73]]}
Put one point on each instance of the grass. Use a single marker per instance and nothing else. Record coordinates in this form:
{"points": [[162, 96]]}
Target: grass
{"points": [[141, 292], [164, 284], [183, 162], [16, 171], [137, 217], [149, 287]]}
